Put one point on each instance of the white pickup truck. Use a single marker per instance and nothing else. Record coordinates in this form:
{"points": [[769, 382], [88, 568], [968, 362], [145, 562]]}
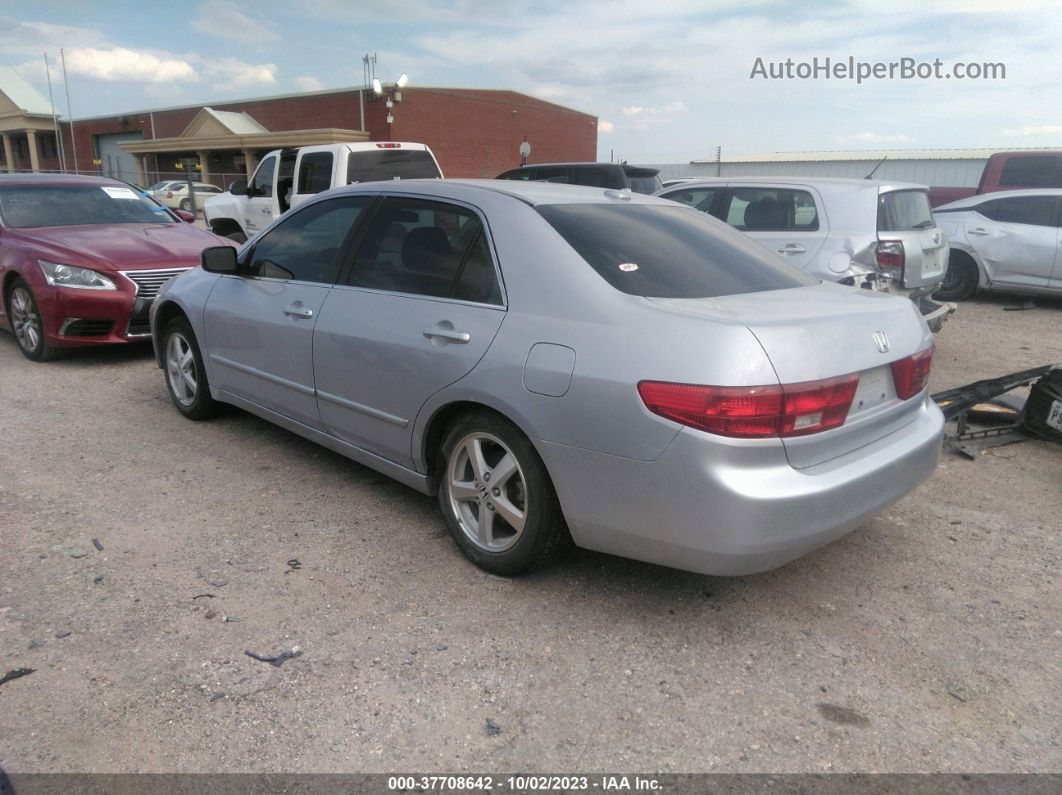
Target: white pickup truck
{"points": [[286, 177]]}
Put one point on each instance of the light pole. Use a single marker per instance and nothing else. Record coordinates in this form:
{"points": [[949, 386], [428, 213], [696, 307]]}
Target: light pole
{"points": [[393, 93]]}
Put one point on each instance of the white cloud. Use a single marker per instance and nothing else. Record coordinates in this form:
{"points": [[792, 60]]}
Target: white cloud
{"points": [[605, 126], [878, 138], [122, 64], [30, 38], [307, 83], [224, 19], [1034, 132], [641, 117], [230, 74]]}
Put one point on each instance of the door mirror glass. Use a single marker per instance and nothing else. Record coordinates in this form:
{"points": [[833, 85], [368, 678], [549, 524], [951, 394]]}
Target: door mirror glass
{"points": [[219, 259], [238, 188]]}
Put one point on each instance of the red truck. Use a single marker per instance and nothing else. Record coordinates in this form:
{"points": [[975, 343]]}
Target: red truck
{"points": [[1008, 171]]}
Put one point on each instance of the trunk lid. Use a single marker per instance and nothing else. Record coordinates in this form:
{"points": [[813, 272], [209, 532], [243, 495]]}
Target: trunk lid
{"points": [[813, 333], [905, 216]]}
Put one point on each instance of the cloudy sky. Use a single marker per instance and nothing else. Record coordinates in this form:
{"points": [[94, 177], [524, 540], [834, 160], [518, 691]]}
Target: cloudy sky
{"points": [[668, 79]]}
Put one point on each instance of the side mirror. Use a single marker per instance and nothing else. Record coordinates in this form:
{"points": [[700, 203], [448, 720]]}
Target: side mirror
{"points": [[238, 188], [184, 215], [219, 259]]}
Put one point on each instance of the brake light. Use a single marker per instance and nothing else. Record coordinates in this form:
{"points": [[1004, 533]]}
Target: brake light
{"points": [[911, 375], [169, 194], [891, 259], [389, 146], [754, 412]]}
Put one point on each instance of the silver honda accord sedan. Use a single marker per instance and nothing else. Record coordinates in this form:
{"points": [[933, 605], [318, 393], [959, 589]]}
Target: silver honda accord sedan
{"points": [[565, 365]]}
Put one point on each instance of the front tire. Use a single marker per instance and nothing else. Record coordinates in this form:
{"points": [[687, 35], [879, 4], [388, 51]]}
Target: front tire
{"points": [[961, 278], [497, 498], [28, 324], [186, 205], [186, 379]]}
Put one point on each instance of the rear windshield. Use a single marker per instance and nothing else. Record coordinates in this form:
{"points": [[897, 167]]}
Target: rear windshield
{"points": [[70, 205], [669, 252], [390, 164], [904, 210]]}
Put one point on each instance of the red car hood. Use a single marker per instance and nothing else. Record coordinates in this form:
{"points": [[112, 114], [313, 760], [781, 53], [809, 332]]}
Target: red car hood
{"points": [[122, 246]]}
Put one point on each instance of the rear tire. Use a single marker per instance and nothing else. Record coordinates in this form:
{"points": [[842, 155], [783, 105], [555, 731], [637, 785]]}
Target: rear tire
{"points": [[186, 205], [186, 379], [961, 278], [28, 324], [497, 498]]}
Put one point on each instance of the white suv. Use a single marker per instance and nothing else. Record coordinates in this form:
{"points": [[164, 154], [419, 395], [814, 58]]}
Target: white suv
{"points": [[868, 233]]}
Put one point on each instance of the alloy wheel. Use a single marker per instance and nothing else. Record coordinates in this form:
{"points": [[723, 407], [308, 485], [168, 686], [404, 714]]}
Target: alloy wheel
{"points": [[25, 319], [180, 369], [487, 491]]}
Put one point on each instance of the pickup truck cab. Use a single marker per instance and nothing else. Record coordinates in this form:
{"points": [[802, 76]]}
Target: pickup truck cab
{"points": [[867, 233], [1008, 171], [287, 177]]}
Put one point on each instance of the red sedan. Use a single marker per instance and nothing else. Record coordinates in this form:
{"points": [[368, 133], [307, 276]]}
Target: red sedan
{"points": [[82, 258]]}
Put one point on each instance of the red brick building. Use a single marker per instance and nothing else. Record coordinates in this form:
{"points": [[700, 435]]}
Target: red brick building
{"points": [[473, 132]]}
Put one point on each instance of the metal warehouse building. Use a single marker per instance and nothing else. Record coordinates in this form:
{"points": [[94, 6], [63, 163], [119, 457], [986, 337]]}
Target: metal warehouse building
{"points": [[473, 132], [959, 168]]}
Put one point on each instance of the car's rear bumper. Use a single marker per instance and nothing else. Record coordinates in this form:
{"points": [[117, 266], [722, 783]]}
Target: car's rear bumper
{"points": [[712, 506]]}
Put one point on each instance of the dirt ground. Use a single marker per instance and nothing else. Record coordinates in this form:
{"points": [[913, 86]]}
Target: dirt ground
{"points": [[929, 640]]}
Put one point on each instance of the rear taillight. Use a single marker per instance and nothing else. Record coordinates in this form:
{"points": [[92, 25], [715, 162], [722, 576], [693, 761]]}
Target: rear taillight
{"points": [[169, 194], [389, 145], [754, 412], [891, 259], [911, 375]]}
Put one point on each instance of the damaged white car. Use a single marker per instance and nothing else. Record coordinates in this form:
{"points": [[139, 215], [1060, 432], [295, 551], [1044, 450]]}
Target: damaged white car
{"points": [[867, 233]]}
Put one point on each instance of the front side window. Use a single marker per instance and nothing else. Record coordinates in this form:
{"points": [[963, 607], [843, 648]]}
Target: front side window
{"points": [[904, 211], [427, 248], [71, 205], [306, 245], [698, 198], [315, 172], [658, 251], [1032, 210], [772, 210], [262, 184]]}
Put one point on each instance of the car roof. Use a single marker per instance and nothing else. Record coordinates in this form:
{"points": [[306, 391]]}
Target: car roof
{"points": [[58, 179], [533, 193], [833, 182], [973, 201], [583, 165]]}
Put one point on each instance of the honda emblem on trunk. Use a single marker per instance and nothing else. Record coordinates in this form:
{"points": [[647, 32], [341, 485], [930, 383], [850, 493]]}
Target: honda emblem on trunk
{"points": [[881, 339]]}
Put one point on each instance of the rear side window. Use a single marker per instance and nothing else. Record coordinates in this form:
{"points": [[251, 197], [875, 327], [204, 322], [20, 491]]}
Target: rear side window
{"points": [[669, 252], [315, 172], [904, 210], [428, 248], [1033, 210], [385, 164], [772, 210], [1032, 172], [305, 245]]}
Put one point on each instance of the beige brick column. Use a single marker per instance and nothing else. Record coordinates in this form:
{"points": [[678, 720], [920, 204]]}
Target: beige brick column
{"points": [[31, 139], [248, 156], [9, 153]]}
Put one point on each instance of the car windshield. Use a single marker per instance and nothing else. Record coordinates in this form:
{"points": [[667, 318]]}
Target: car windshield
{"points": [[70, 205], [904, 210], [390, 164], [669, 252]]}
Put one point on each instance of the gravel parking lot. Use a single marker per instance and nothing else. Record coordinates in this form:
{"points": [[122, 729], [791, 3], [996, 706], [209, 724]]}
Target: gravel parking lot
{"points": [[929, 640]]}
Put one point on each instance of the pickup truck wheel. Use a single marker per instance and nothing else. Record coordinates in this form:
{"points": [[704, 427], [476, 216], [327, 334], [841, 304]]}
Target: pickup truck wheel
{"points": [[960, 280]]}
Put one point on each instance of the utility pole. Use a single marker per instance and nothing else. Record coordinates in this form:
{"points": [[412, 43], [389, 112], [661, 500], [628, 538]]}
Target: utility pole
{"points": [[719, 161], [59, 148]]}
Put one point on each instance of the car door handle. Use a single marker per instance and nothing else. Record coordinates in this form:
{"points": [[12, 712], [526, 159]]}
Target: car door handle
{"points": [[440, 332], [792, 248], [266, 211], [295, 310], [979, 232]]}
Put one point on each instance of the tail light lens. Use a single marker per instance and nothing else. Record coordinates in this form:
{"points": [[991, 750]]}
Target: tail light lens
{"points": [[911, 375], [389, 145], [891, 259], [754, 412]]}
